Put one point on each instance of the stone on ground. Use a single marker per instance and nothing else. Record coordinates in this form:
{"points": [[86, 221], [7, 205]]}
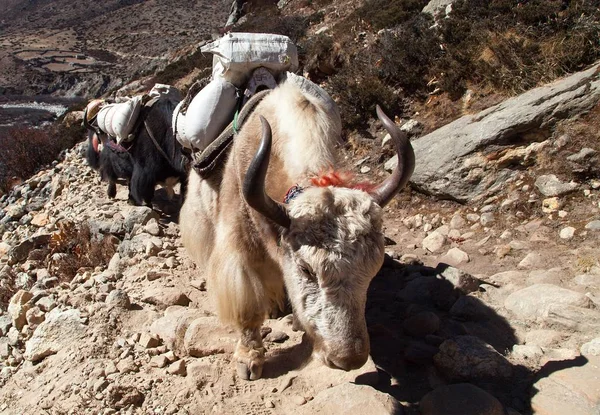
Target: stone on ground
{"points": [[467, 357], [535, 301], [206, 336], [18, 306], [434, 242], [460, 399], [61, 329], [571, 389], [349, 398]]}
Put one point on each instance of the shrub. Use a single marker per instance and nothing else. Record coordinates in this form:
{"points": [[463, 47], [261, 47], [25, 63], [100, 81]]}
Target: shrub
{"points": [[383, 14], [321, 57], [26, 149], [74, 246], [357, 95], [512, 47], [404, 56], [268, 19]]}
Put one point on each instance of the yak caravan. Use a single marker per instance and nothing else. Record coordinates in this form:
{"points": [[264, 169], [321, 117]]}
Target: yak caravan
{"points": [[266, 212], [263, 216]]}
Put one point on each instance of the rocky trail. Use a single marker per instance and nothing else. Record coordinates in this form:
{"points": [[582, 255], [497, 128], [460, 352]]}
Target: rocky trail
{"points": [[489, 306]]}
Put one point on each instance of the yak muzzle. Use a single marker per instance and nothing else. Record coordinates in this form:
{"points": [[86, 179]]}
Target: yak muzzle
{"points": [[347, 355]]}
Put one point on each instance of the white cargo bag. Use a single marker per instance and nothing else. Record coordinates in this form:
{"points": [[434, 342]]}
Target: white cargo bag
{"points": [[164, 91], [117, 120], [210, 111], [93, 108], [236, 55], [178, 126]]}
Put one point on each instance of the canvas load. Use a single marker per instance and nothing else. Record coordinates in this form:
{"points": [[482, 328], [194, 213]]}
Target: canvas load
{"points": [[163, 91], [117, 120], [236, 55], [92, 109], [209, 112]]}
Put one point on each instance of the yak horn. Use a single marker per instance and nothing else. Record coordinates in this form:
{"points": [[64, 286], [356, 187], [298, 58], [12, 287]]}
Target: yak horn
{"points": [[384, 192], [254, 182]]}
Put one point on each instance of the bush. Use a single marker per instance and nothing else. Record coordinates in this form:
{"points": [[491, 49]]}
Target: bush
{"points": [[321, 57], [512, 47], [74, 247], [26, 149], [268, 19], [384, 14], [405, 56], [357, 95]]}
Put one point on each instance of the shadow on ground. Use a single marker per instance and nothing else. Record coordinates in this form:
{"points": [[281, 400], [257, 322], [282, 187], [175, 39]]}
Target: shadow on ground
{"points": [[168, 208], [414, 360]]}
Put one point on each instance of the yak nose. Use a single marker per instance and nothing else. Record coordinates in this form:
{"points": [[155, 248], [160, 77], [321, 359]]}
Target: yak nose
{"points": [[348, 355]]}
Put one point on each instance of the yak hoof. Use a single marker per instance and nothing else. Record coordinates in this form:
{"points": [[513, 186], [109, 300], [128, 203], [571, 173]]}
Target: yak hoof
{"points": [[251, 370]]}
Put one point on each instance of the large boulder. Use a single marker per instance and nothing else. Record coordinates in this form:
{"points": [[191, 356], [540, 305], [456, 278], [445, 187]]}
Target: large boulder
{"points": [[467, 357], [172, 326], [206, 336], [536, 301], [60, 330], [449, 164]]}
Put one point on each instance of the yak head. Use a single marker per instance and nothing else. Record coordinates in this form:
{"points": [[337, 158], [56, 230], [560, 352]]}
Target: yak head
{"points": [[332, 246]]}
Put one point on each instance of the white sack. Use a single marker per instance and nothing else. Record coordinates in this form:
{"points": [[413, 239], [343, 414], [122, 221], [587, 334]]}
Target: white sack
{"points": [[178, 126], [236, 55], [117, 120], [164, 91], [210, 111]]}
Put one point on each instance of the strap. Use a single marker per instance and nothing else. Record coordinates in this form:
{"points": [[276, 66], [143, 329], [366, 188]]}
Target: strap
{"points": [[158, 147]]}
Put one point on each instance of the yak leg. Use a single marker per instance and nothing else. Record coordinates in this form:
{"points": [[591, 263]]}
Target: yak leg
{"points": [[241, 302], [141, 187], [250, 354], [183, 187], [111, 190]]}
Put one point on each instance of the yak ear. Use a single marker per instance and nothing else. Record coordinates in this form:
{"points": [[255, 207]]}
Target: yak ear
{"points": [[385, 191], [253, 187]]}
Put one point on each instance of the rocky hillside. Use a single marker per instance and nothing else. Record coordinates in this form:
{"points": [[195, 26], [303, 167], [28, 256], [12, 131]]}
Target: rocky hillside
{"points": [[489, 306], [90, 47]]}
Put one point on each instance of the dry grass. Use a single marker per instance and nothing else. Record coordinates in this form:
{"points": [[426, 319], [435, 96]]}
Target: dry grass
{"points": [[498, 49], [182, 67], [25, 150], [74, 247], [581, 132], [7, 288]]}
